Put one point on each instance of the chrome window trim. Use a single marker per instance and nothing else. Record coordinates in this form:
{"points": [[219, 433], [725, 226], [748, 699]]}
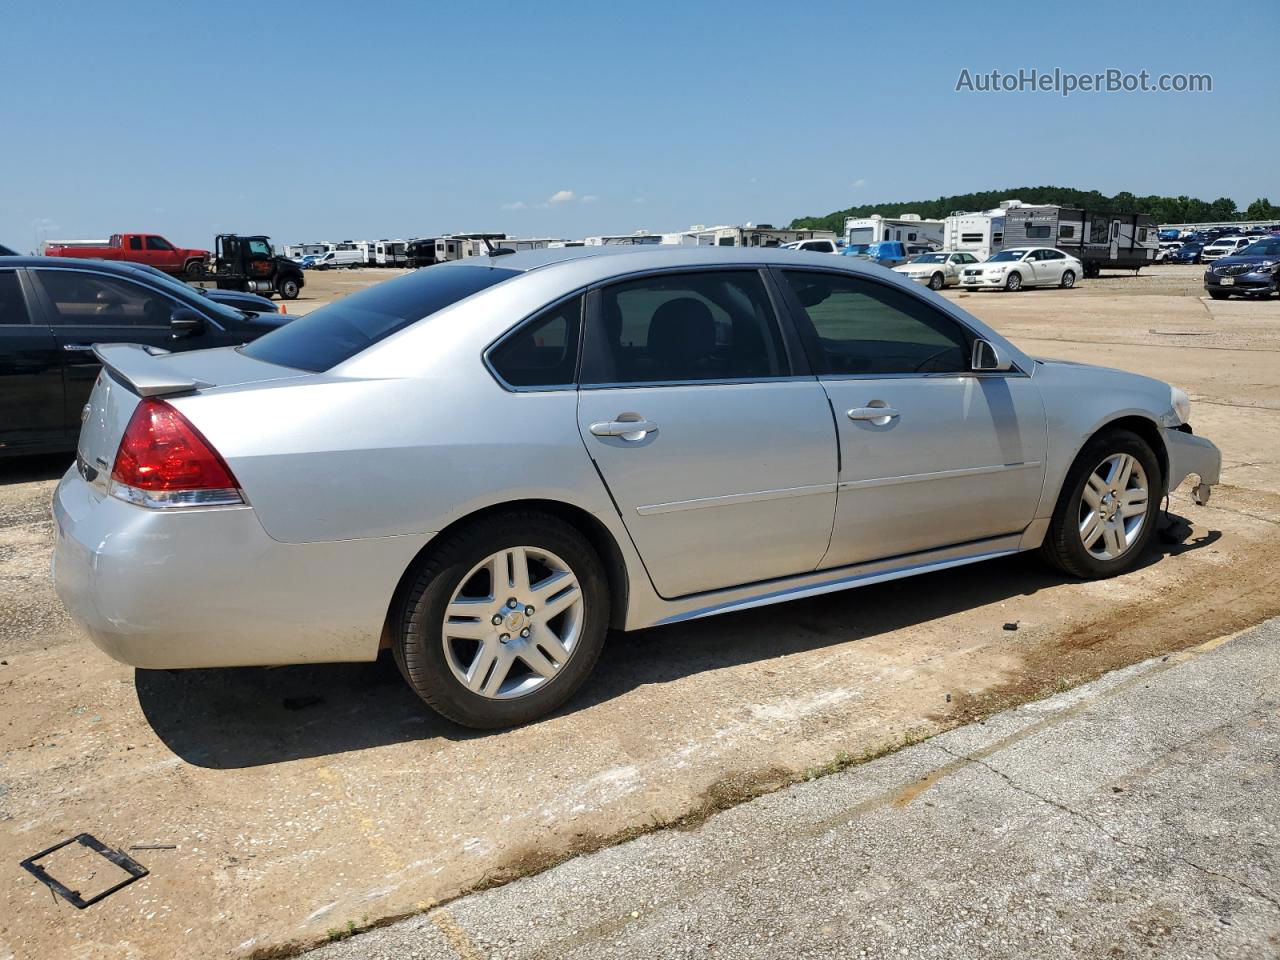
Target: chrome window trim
{"points": [[728, 382]]}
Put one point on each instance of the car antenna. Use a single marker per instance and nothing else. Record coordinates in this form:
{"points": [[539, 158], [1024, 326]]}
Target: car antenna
{"points": [[496, 251]]}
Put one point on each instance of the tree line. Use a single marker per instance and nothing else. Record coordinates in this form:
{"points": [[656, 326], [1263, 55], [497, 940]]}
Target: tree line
{"points": [[1163, 209]]}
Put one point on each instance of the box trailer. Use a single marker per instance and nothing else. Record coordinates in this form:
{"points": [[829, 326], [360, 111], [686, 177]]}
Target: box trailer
{"points": [[1100, 239]]}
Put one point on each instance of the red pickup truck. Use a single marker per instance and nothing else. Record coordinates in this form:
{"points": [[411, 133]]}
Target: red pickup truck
{"points": [[149, 248]]}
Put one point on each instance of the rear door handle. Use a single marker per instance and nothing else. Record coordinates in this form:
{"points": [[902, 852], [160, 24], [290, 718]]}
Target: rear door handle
{"points": [[78, 347], [872, 413], [626, 429]]}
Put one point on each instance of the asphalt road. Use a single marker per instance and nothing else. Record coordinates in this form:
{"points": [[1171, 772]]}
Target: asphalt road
{"points": [[1136, 816]]}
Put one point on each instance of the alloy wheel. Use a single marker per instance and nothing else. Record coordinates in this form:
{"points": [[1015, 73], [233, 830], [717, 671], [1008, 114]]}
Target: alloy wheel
{"points": [[1113, 507], [513, 623]]}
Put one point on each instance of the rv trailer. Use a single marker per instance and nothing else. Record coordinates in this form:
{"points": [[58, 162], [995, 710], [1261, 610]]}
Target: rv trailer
{"points": [[1100, 239], [906, 228], [390, 253], [760, 235], [981, 234]]}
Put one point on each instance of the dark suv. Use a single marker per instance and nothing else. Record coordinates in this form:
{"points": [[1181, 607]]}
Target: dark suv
{"points": [[52, 312], [1250, 273]]}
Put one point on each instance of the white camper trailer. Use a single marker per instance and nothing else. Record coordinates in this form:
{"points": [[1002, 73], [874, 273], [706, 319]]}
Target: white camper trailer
{"points": [[981, 234], [296, 251], [760, 235], [390, 253], [907, 227], [639, 238]]}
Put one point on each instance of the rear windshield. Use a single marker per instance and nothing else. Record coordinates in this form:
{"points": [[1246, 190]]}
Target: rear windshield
{"points": [[326, 337]]}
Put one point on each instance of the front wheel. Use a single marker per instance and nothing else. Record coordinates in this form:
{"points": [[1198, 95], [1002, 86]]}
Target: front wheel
{"points": [[504, 621], [1106, 510], [1219, 295], [194, 270], [936, 281], [1014, 282], [1068, 279]]}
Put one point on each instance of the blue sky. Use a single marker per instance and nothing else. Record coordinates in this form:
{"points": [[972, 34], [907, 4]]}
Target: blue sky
{"points": [[359, 120]]}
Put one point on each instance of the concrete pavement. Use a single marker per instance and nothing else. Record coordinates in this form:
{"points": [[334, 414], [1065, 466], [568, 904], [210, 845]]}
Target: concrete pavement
{"points": [[1136, 816]]}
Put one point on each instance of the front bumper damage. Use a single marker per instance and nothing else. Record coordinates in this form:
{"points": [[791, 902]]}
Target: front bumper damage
{"points": [[1191, 455]]}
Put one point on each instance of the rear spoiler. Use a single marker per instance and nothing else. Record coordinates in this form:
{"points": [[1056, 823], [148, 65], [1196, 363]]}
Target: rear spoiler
{"points": [[143, 369]]}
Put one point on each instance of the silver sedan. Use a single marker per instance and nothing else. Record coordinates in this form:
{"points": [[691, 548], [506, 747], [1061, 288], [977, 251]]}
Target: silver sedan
{"points": [[486, 465]]}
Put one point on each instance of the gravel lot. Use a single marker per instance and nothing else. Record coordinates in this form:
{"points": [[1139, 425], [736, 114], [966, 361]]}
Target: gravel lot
{"points": [[304, 800]]}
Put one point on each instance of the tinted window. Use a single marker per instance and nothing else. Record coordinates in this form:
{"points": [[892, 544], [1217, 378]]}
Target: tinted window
{"points": [[864, 327], [91, 298], [13, 308], [1038, 231], [542, 352], [685, 326], [158, 243], [135, 243], [332, 334]]}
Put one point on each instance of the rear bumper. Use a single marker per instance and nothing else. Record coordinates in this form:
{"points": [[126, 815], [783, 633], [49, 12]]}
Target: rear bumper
{"points": [[209, 588], [1188, 455]]}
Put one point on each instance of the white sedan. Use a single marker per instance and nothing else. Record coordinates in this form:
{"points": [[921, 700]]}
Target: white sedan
{"points": [[1023, 267], [937, 270]]}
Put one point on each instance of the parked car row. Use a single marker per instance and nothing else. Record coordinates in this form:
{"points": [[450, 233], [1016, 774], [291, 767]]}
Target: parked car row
{"points": [[1252, 271]]}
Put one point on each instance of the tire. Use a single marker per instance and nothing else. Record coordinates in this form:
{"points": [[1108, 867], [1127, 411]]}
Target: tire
{"points": [[1065, 544], [1014, 281], [288, 288], [1092, 271], [1068, 280], [937, 281], [1219, 295], [432, 661], [194, 270]]}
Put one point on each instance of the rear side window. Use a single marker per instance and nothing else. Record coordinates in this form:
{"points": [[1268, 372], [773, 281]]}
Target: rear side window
{"points": [[870, 329], [13, 308], [544, 351], [714, 325], [326, 337]]}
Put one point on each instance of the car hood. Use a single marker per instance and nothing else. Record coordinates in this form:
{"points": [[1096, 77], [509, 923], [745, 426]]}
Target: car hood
{"points": [[1250, 258]]}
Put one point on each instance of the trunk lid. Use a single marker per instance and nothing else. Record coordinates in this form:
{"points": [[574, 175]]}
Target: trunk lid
{"points": [[131, 372]]}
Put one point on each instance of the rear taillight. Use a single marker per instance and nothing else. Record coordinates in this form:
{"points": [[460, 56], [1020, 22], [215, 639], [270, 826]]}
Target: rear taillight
{"points": [[163, 461]]}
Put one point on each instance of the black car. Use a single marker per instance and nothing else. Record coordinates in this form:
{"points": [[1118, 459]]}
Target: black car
{"points": [[1250, 273], [52, 311], [238, 299], [1187, 253]]}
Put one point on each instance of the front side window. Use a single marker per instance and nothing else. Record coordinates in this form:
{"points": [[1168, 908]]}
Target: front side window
{"points": [[135, 243], [158, 243], [715, 325], [89, 299], [542, 352], [864, 328], [259, 248]]}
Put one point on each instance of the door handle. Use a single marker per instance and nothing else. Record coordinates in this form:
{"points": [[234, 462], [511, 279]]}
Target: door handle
{"points": [[626, 429], [872, 413], [78, 347]]}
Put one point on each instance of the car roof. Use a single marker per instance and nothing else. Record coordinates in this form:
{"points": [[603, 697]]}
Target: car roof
{"points": [[123, 269]]}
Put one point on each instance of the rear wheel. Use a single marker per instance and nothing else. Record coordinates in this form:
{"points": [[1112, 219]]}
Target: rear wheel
{"points": [[504, 621], [1069, 279], [1105, 515], [1014, 282], [937, 281]]}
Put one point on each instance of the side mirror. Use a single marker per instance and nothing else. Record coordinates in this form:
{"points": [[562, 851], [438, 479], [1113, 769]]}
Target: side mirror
{"points": [[185, 322], [988, 359]]}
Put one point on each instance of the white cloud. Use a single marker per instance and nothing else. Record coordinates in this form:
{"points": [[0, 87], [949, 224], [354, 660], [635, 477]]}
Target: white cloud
{"points": [[590, 198], [561, 196], [860, 182], [517, 205]]}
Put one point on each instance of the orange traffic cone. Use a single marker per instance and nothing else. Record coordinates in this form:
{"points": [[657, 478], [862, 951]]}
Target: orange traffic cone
{"points": [[282, 308]]}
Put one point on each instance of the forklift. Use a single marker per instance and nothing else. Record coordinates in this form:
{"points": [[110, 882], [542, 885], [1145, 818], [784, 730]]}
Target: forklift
{"points": [[250, 264]]}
